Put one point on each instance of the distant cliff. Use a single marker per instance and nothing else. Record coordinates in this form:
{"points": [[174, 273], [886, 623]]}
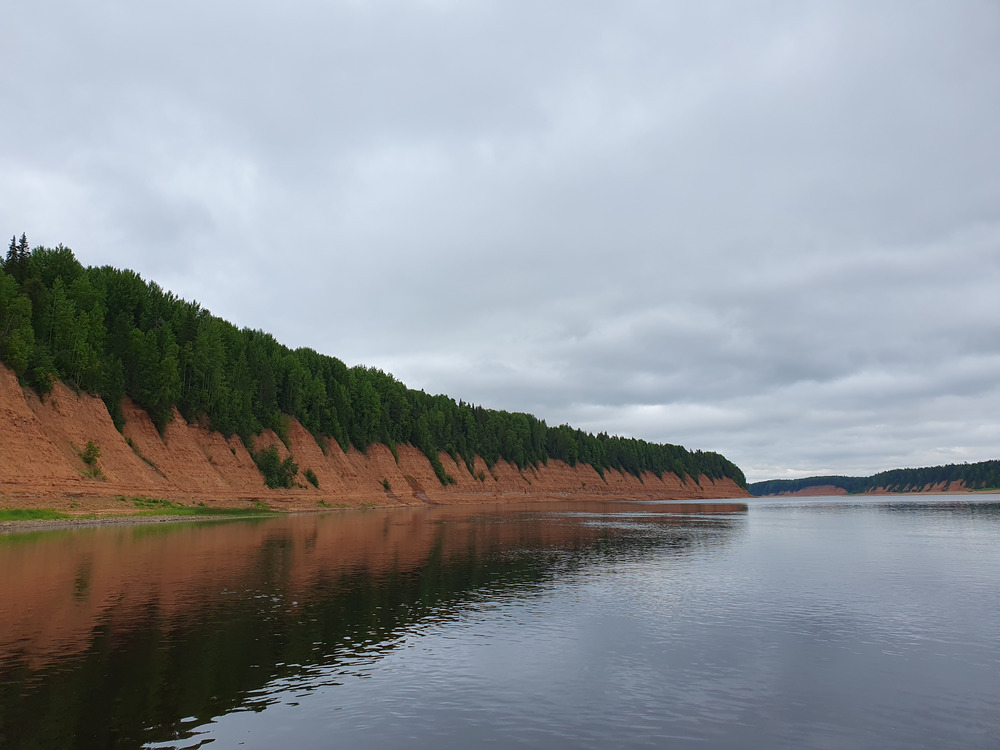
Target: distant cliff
{"points": [[984, 475]]}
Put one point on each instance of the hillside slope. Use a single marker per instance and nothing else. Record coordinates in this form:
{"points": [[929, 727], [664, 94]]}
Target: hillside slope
{"points": [[41, 441], [108, 332], [982, 476]]}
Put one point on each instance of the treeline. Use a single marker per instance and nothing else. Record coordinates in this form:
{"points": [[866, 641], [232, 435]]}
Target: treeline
{"points": [[978, 476], [109, 332]]}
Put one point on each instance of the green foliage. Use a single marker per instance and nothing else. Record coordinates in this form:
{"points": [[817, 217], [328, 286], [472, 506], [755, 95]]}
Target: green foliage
{"points": [[281, 425], [151, 373], [385, 485], [30, 514], [151, 506], [977, 476], [438, 467], [16, 261], [89, 456], [41, 370], [277, 473], [91, 453], [310, 476], [108, 331], [112, 390], [17, 337]]}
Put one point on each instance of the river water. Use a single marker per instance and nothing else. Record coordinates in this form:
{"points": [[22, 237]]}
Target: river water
{"points": [[812, 623]]}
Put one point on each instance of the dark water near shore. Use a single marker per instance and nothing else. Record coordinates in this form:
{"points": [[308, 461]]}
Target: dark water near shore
{"points": [[820, 623]]}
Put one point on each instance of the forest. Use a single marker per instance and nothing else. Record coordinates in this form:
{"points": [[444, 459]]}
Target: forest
{"points": [[109, 332], [977, 476]]}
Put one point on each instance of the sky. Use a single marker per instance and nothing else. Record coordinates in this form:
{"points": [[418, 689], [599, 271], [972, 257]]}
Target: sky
{"points": [[769, 229]]}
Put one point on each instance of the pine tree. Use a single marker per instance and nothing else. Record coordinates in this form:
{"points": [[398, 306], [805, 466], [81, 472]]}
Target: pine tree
{"points": [[16, 263]]}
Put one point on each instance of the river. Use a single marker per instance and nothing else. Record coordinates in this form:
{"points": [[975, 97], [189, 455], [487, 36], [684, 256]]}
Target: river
{"points": [[806, 623]]}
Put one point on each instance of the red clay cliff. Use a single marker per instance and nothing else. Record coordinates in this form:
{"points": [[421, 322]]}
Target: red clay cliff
{"points": [[40, 466]]}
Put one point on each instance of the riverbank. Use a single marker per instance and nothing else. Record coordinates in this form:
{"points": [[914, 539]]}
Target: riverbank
{"points": [[65, 453], [943, 488], [53, 524], [125, 518]]}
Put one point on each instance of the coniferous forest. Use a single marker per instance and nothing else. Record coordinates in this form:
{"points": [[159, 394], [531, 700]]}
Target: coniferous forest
{"points": [[976, 476], [109, 332]]}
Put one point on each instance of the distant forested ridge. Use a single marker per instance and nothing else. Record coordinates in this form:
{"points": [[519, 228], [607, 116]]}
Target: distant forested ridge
{"points": [[109, 332], [979, 476]]}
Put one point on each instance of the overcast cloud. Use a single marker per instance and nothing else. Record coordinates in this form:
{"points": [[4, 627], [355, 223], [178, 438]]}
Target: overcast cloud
{"points": [[767, 229]]}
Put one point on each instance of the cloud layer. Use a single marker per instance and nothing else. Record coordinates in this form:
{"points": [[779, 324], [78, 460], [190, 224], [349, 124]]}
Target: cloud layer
{"points": [[772, 232]]}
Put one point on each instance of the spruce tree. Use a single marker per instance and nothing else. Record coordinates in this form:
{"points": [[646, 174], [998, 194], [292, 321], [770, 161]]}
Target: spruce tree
{"points": [[16, 263]]}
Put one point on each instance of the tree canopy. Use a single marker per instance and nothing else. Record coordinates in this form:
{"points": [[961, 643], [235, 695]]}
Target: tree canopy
{"points": [[976, 476], [108, 331]]}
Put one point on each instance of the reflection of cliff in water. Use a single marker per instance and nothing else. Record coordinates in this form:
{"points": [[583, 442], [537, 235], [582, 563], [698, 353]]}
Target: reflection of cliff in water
{"points": [[114, 636]]}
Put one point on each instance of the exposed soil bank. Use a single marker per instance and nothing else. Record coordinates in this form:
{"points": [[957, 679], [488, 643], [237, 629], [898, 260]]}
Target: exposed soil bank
{"points": [[820, 490], [40, 466], [825, 490]]}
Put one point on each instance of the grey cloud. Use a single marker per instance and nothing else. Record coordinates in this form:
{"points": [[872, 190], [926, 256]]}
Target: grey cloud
{"points": [[771, 232]]}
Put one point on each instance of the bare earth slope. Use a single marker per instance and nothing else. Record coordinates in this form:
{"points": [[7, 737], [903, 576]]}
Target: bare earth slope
{"points": [[40, 466], [826, 490]]}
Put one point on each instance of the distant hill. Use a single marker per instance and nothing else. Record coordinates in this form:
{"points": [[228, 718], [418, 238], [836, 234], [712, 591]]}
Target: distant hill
{"points": [[978, 476]]}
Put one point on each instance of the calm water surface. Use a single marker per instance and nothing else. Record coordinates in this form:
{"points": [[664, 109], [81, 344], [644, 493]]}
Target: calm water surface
{"points": [[819, 623]]}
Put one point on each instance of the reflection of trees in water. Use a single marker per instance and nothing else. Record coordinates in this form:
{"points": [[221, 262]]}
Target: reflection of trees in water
{"points": [[146, 668]]}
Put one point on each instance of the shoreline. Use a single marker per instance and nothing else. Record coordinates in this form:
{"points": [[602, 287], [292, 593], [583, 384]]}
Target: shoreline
{"points": [[105, 518], [111, 518], [56, 524], [957, 492]]}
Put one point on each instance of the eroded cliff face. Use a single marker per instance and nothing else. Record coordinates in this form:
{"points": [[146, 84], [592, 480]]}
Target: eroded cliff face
{"points": [[826, 490], [40, 465]]}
